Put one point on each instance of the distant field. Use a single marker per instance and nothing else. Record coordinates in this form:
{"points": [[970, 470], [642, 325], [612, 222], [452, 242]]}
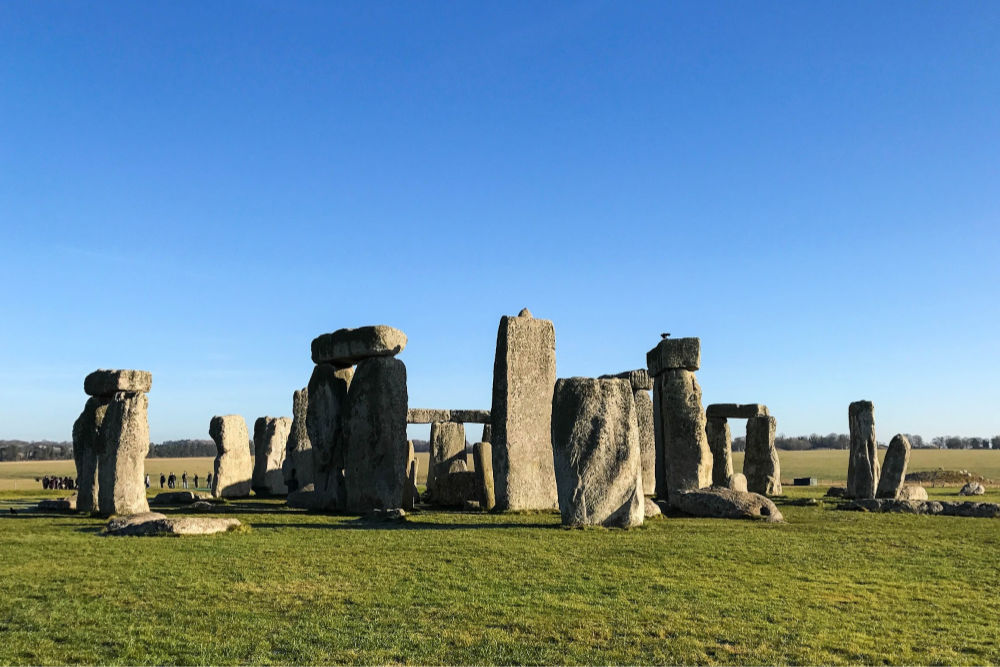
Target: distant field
{"points": [[825, 464]]}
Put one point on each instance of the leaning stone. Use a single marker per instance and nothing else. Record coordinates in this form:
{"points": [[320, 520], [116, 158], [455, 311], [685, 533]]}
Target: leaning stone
{"points": [[482, 457], [176, 498], [862, 463], [427, 416], [726, 504], [328, 388], [67, 504], [760, 462], [470, 416], [674, 354], [639, 379], [647, 439], [972, 489], [124, 436], [894, 467], [297, 468], [374, 428], [447, 444], [595, 445], [720, 441], [737, 482], [87, 449], [233, 465], [688, 460], [270, 439], [107, 383], [524, 373], [736, 411], [652, 509], [346, 347], [912, 492]]}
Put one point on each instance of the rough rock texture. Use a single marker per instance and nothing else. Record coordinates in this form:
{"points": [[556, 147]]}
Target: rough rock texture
{"points": [[965, 509], [177, 498], [524, 374], [652, 509], [647, 439], [327, 391], [688, 460], [862, 464], [972, 489], [726, 504], [410, 495], [487, 433], [639, 378], [233, 465], [595, 444], [120, 522], [201, 506], [836, 492], [374, 427], [297, 469], [447, 444], [270, 439], [67, 504], [346, 347], [152, 524], [86, 451], [107, 383], [737, 482], [720, 442], [912, 492], [470, 416], [674, 354], [456, 489], [897, 457], [427, 416], [124, 436], [736, 410], [760, 462], [482, 457], [659, 445]]}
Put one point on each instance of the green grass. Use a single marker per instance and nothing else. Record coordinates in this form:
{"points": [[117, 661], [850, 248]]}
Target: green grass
{"points": [[826, 587]]}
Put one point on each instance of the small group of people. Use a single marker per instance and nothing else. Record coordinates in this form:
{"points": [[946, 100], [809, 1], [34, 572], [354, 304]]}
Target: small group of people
{"points": [[61, 483], [170, 481]]}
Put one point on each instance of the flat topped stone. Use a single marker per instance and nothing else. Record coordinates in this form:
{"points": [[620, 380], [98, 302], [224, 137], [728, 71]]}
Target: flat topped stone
{"points": [[431, 416], [736, 411], [107, 382], [639, 379], [674, 354], [152, 524], [346, 347]]}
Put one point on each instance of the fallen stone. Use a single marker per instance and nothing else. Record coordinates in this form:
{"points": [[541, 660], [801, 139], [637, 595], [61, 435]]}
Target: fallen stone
{"points": [[894, 467], [760, 461], [674, 354], [118, 523], [297, 468], [124, 436], [176, 498], [67, 504], [720, 442], [270, 441], [972, 489], [107, 383], [893, 506], [482, 457], [201, 506], [647, 439], [805, 481], [836, 492], [726, 504], [971, 509], [328, 388], [862, 464], [87, 447], [688, 460], [346, 347], [150, 525], [639, 379], [595, 444], [737, 482], [233, 465], [736, 411], [912, 492]]}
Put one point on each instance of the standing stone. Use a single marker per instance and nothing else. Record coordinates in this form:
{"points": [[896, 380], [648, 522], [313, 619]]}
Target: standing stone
{"points": [[327, 391], [597, 459], [124, 436], [659, 444], [86, 452], [897, 457], [688, 460], [862, 465], [760, 462], [374, 426], [487, 433], [298, 464], [233, 466], [270, 437], [524, 374], [447, 445], [482, 456], [647, 439], [410, 495], [720, 441]]}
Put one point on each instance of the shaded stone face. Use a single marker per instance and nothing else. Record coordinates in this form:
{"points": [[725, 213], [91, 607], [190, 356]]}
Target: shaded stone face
{"points": [[674, 354], [482, 457], [862, 464], [297, 468], [124, 436], [447, 445], [374, 425], [647, 439], [524, 374], [410, 495], [233, 465], [270, 438], [327, 391], [760, 462], [346, 347], [893, 472], [107, 383], [638, 378], [429, 416], [87, 448], [687, 457], [720, 441], [736, 410], [595, 444]]}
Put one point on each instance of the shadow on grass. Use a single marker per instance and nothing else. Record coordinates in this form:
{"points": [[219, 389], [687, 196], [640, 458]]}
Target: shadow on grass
{"points": [[376, 524]]}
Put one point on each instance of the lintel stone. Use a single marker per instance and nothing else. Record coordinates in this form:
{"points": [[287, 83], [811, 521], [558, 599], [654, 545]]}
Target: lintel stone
{"points": [[108, 382], [674, 354], [346, 347], [736, 411]]}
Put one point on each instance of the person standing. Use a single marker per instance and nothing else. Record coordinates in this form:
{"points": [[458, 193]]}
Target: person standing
{"points": [[184, 479], [196, 481], [163, 480]]}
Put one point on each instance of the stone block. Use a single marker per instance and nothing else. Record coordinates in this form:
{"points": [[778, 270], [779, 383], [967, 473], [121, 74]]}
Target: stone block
{"points": [[327, 391], [107, 382], [124, 435], [639, 379], [427, 416], [726, 504], [720, 441], [862, 462], [687, 457], [270, 440], [736, 410], [893, 472], [346, 347], [297, 468], [87, 448], [647, 439], [674, 354], [456, 489], [233, 465], [760, 461], [482, 457], [447, 444], [470, 416]]}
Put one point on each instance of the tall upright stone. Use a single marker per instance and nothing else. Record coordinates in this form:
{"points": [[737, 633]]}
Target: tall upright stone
{"points": [[760, 462], [124, 435], [641, 383], [862, 464], [482, 456], [297, 468], [447, 445], [410, 495], [893, 473], [327, 392], [524, 374], [374, 425], [270, 438], [597, 459], [233, 465], [86, 452], [487, 433], [720, 441]]}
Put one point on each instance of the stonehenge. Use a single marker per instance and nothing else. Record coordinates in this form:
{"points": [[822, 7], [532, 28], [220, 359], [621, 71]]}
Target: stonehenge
{"points": [[862, 462], [447, 447], [761, 467], [429, 416], [297, 468], [641, 384], [327, 394], [760, 461], [893, 473], [482, 456], [233, 466], [270, 439], [524, 375]]}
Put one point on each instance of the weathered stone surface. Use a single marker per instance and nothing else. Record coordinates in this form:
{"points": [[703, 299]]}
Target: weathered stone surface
{"points": [[674, 354], [297, 468], [688, 460], [482, 457], [971, 509], [233, 465], [897, 457], [201, 506], [107, 383], [972, 489], [804, 481], [737, 482], [638, 378], [487, 433], [470, 416], [447, 444], [760, 462], [912, 492], [963, 509], [595, 444], [726, 504], [836, 492], [346, 347], [524, 374], [720, 442], [177, 498], [659, 442], [328, 388], [152, 524], [862, 463], [410, 494], [270, 439], [121, 522], [652, 509], [87, 447], [647, 439], [67, 504], [736, 410], [124, 435], [427, 416], [455, 489], [374, 426]]}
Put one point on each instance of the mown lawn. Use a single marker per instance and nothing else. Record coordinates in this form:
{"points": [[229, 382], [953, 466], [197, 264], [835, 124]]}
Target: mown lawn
{"points": [[826, 587]]}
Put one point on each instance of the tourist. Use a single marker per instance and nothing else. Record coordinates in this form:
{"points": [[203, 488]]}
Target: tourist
{"points": [[184, 479], [196, 481], [147, 480], [163, 480]]}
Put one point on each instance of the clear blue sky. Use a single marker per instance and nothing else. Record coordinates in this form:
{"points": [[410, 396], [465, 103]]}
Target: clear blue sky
{"points": [[199, 189]]}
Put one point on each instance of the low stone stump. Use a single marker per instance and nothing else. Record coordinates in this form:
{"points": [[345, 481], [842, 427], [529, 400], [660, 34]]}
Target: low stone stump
{"points": [[912, 492], [652, 509], [721, 503], [738, 482], [962, 509], [836, 492], [805, 481], [177, 498], [67, 504], [972, 489], [154, 524]]}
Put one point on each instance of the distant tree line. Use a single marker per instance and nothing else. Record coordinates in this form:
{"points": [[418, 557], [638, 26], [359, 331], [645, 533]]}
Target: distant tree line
{"points": [[181, 449], [36, 450]]}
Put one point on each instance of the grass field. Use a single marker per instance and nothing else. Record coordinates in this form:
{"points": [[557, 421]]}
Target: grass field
{"points": [[825, 587]]}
